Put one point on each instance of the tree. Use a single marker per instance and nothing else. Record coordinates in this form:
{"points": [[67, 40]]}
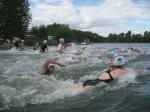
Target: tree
{"points": [[72, 35], [146, 36], [14, 18]]}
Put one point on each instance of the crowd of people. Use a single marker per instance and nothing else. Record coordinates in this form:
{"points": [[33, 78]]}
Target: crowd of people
{"points": [[5, 43], [16, 42], [117, 62]]}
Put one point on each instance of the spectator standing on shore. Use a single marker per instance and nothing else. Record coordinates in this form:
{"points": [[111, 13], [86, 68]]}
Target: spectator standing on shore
{"points": [[16, 42], [21, 45]]}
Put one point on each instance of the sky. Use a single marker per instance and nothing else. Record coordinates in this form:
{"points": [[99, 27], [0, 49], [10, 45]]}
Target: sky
{"points": [[99, 16]]}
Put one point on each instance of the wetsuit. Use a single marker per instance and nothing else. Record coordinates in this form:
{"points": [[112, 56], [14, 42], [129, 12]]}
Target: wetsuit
{"points": [[43, 47], [16, 44], [94, 82]]}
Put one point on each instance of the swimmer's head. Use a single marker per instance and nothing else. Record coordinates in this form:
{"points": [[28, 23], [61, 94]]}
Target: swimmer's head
{"points": [[61, 40], [37, 44], [22, 41], [51, 68], [45, 41], [119, 61]]}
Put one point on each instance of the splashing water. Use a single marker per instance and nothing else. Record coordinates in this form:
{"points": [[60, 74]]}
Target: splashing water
{"points": [[21, 84]]}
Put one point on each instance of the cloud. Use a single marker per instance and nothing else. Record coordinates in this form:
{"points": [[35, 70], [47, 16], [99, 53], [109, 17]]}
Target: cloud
{"points": [[103, 18], [47, 13]]}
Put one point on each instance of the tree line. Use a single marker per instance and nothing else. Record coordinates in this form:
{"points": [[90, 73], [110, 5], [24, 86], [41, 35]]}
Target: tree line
{"points": [[72, 35], [15, 18], [64, 31]]}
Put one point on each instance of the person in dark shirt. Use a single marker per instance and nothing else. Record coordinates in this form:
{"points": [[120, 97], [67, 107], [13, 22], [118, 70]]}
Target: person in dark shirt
{"points": [[44, 47]]}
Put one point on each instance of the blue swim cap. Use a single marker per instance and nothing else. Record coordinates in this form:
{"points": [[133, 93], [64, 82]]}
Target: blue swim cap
{"points": [[119, 61]]}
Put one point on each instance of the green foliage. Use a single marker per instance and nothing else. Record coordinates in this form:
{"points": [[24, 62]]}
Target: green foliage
{"points": [[129, 37], [40, 32], [52, 42], [14, 18], [63, 31], [71, 35]]}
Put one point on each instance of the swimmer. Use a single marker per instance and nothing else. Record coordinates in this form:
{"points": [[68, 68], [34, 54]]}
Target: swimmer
{"points": [[16, 42], [78, 52], [44, 47], [22, 45], [135, 50], [36, 46], [76, 56], [115, 71], [61, 46], [109, 60], [49, 66]]}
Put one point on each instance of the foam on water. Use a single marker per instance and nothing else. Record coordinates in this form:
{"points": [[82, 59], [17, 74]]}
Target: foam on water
{"points": [[39, 91], [22, 84]]}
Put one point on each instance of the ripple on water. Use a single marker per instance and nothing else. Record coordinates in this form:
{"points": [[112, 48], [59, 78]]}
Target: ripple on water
{"points": [[23, 88]]}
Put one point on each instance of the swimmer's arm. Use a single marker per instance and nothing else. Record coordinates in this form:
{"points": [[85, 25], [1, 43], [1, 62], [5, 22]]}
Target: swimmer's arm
{"points": [[42, 71], [58, 48], [65, 46], [57, 63], [61, 65], [140, 74]]}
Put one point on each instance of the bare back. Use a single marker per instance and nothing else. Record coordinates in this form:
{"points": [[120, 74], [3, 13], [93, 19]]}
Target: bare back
{"points": [[114, 73]]}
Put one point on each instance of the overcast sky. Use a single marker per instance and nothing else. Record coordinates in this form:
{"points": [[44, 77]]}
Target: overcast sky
{"points": [[100, 16]]}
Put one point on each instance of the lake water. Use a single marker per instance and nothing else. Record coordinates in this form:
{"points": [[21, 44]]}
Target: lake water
{"points": [[23, 89]]}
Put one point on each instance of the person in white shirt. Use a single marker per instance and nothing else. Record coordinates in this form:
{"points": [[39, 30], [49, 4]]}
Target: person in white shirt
{"points": [[61, 46]]}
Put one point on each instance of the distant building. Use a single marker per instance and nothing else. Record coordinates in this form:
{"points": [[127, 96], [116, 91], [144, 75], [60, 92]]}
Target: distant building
{"points": [[30, 36], [50, 37]]}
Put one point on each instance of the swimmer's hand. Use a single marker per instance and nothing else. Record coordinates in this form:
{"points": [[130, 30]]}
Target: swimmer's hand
{"points": [[42, 71], [61, 65]]}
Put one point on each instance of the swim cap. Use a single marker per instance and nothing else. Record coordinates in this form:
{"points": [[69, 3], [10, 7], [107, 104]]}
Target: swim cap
{"points": [[119, 61], [22, 40], [51, 65], [61, 40], [45, 41], [37, 43]]}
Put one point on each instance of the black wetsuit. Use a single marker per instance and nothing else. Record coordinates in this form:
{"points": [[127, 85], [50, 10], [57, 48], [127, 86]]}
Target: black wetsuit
{"points": [[16, 44], [43, 47], [94, 82]]}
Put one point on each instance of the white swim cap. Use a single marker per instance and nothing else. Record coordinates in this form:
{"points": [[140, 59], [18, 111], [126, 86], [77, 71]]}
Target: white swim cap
{"points": [[51, 65], [61, 40], [22, 40], [119, 61], [45, 41]]}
